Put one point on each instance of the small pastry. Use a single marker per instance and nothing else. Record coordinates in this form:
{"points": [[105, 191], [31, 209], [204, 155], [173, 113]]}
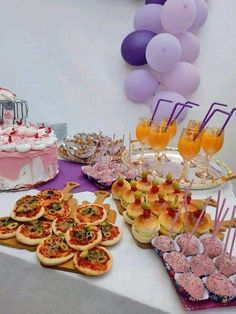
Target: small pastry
{"points": [[119, 187], [177, 195], [152, 195], [128, 196], [134, 209], [204, 224], [145, 226], [159, 206], [220, 288], [166, 221], [167, 187], [143, 184]]}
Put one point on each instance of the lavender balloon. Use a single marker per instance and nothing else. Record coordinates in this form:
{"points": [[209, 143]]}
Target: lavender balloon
{"points": [[148, 17], [184, 78], [163, 52], [178, 16], [140, 85], [190, 47], [165, 109], [134, 46], [155, 1], [201, 16]]}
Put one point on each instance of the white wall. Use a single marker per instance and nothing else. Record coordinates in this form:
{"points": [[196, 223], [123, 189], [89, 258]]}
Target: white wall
{"points": [[63, 56]]}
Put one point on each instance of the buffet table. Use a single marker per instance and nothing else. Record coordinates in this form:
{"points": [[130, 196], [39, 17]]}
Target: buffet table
{"points": [[137, 282]]}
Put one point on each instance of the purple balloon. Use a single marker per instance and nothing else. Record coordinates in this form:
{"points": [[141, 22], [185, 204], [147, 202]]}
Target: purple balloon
{"points": [[140, 85], [134, 46], [201, 16], [178, 15], [190, 47], [184, 78], [155, 1], [165, 109], [148, 17], [163, 52]]}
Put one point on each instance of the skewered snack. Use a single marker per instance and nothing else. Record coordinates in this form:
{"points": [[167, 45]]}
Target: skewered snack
{"points": [[119, 187], [135, 209]]}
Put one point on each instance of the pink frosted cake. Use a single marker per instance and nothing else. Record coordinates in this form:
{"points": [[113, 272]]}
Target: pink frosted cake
{"points": [[28, 156]]}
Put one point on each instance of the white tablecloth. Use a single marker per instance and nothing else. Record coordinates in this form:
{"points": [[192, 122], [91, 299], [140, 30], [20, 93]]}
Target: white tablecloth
{"points": [[137, 282]]}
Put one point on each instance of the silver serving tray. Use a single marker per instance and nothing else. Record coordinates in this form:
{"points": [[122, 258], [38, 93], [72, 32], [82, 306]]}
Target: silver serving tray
{"points": [[220, 170]]}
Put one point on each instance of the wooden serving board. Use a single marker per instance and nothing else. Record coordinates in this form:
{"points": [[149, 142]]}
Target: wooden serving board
{"points": [[73, 204], [111, 217]]}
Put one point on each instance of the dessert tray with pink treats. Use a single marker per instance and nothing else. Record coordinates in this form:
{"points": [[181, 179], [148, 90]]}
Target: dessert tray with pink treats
{"points": [[203, 270]]}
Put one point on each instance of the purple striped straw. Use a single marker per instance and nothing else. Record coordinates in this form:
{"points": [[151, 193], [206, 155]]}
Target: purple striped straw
{"points": [[173, 112], [179, 113], [227, 120]]}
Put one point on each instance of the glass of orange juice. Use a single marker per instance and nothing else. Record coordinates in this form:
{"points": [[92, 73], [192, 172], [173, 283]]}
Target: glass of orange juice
{"points": [[189, 146], [212, 142], [194, 125], [158, 140], [142, 134]]}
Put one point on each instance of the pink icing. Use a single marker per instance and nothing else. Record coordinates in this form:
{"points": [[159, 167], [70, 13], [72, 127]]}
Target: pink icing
{"points": [[12, 162]]}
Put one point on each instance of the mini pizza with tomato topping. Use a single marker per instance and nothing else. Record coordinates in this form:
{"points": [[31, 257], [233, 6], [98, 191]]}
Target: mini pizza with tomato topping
{"points": [[94, 262], [83, 237], [56, 209], [8, 227], [28, 208], [51, 195], [34, 232], [61, 224], [111, 234], [54, 251], [93, 214]]}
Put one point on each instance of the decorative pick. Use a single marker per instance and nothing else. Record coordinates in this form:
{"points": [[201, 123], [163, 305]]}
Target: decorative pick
{"points": [[196, 224], [157, 105], [186, 191], [227, 239], [232, 244]]}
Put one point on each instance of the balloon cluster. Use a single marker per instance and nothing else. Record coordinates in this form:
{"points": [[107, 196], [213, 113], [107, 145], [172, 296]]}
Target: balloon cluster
{"points": [[165, 40]]}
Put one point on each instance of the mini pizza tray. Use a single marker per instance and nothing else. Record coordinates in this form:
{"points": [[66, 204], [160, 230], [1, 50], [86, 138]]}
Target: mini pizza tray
{"points": [[68, 196], [195, 201], [194, 305]]}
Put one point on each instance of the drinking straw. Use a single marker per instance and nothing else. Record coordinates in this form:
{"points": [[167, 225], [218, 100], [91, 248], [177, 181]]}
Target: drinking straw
{"points": [[186, 191], [204, 123], [232, 244], [227, 239], [226, 121], [212, 105], [129, 158], [178, 114], [157, 105], [173, 111], [196, 224]]}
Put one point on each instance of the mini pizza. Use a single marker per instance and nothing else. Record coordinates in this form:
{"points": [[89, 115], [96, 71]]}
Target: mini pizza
{"points": [[94, 262], [56, 209], [28, 208], [32, 233], [8, 227], [61, 224], [111, 234], [93, 214], [83, 237], [51, 195], [54, 251]]}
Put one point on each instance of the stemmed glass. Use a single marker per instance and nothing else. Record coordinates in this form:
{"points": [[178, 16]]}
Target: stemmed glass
{"points": [[158, 140], [142, 134], [212, 142], [194, 125], [172, 129], [189, 146]]}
